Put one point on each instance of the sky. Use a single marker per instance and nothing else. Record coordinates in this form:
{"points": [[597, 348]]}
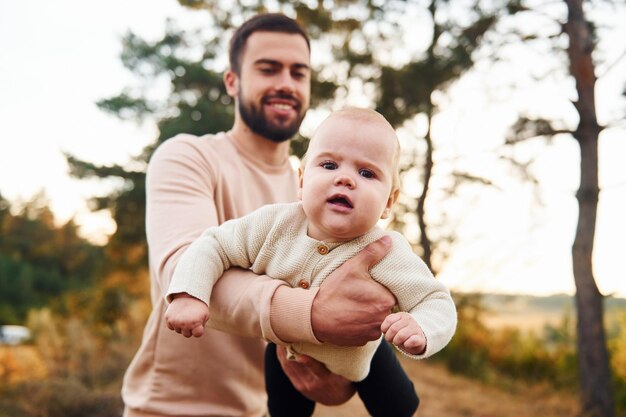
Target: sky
{"points": [[57, 58]]}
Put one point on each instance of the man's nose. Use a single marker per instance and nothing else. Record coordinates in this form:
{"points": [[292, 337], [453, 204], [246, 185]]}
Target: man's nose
{"points": [[285, 82]]}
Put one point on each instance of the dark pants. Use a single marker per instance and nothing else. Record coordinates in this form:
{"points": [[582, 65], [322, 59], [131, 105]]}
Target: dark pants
{"points": [[386, 392]]}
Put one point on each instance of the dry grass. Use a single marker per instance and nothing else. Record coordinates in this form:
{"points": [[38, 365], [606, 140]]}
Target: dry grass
{"points": [[524, 321], [445, 395]]}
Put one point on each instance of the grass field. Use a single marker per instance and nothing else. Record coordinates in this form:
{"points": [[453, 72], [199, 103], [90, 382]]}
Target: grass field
{"points": [[528, 312]]}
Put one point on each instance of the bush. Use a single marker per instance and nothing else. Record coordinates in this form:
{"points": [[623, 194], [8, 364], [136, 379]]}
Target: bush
{"points": [[503, 354], [58, 398]]}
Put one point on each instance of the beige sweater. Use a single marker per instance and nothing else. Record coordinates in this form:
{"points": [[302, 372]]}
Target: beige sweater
{"points": [[194, 183], [273, 241]]}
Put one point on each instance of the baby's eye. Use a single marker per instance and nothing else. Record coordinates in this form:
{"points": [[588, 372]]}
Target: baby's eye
{"points": [[328, 165], [366, 173]]}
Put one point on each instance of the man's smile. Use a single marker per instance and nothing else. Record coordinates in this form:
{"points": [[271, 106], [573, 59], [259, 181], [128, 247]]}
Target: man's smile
{"points": [[282, 103]]}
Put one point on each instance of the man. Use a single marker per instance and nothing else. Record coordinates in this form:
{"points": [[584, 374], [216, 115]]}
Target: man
{"points": [[194, 183]]}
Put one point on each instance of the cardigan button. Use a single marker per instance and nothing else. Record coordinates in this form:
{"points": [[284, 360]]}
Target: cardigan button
{"points": [[322, 249], [303, 284]]}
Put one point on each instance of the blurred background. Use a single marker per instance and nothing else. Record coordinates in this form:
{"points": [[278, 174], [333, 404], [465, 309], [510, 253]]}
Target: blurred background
{"points": [[514, 187]]}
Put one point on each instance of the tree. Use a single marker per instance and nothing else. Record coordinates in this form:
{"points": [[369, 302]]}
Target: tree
{"points": [[408, 91], [351, 34], [595, 374], [593, 359]]}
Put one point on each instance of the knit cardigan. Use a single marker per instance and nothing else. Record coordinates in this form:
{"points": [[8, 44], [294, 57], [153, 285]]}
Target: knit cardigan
{"points": [[273, 241]]}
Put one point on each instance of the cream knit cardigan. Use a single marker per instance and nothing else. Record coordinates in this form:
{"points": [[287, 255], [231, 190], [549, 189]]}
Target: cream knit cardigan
{"points": [[273, 241]]}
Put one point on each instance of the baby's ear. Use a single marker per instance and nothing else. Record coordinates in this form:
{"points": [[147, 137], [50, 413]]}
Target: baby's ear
{"points": [[390, 201]]}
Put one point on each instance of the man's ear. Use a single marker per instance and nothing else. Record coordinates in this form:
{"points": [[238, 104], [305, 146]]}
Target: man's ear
{"points": [[300, 181], [231, 82], [390, 201]]}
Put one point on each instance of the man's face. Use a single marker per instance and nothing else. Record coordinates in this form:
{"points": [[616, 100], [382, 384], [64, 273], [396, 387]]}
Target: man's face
{"points": [[274, 84]]}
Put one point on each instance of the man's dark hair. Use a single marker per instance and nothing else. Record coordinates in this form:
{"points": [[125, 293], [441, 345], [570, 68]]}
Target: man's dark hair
{"points": [[267, 22]]}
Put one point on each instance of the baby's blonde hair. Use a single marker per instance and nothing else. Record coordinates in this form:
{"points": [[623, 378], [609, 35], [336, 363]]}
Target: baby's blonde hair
{"points": [[364, 115]]}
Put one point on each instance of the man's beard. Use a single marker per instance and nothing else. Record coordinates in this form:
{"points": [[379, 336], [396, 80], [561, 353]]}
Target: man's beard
{"points": [[257, 122]]}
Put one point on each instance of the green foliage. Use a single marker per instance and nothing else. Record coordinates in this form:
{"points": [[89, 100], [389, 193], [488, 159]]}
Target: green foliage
{"points": [[127, 206], [406, 91], [617, 349], [483, 353], [24, 286], [39, 261], [198, 104], [125, 107], [468, 353], [526, 128], [619, 393]]}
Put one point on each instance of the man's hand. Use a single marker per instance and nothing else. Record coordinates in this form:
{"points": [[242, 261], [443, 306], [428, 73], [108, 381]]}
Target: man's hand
{"points": [[350, 306], [402, 330], [314, 380], [187, 315]]}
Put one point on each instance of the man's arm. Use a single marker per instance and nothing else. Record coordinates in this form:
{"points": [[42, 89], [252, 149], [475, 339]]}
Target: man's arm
{"points": [[180, 206], [347, 309]]}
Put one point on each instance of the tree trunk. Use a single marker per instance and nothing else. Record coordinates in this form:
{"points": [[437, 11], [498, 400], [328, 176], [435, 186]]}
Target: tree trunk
{"points": [[425, 241], [593, 358]]}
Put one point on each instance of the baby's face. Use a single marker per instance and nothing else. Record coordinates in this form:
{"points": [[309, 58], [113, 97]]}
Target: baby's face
{"points": [[346, 184]]}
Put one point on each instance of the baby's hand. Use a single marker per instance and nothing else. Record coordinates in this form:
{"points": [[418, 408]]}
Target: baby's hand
{"points": [[187, 315], [402, 330]]}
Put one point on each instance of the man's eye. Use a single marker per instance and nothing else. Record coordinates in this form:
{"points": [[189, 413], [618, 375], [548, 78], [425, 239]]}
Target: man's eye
{"points": [[366, 173], [328, 165]]}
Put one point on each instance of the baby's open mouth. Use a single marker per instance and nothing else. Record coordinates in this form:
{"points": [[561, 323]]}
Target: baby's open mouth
{"points": [[340, 201]]}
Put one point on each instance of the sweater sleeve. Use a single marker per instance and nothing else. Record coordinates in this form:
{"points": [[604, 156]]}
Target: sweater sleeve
{"points": [[179, 205], [419, 293], [236, 242]]}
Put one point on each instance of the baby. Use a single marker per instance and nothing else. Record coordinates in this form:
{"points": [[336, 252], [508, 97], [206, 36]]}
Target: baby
{"points": [[348, 181]]}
